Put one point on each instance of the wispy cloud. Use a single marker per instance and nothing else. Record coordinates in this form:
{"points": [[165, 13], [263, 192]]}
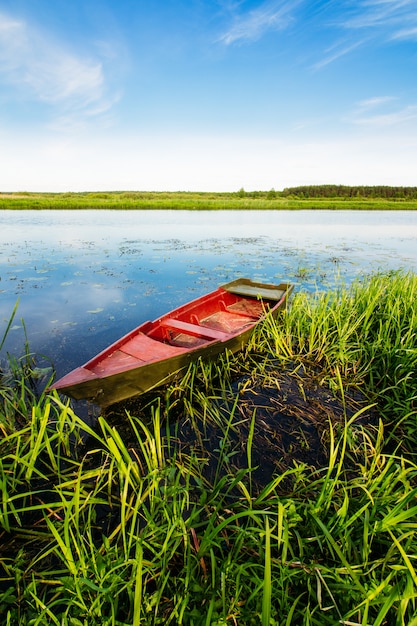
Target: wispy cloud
{"points": [[252, 25], [377, 101], [406, 33], [369, 22], [383, 112], [43, 70], [353, 25], [337, 51], [390, 14]]}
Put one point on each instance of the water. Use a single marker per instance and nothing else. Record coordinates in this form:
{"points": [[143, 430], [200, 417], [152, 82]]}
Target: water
{"points": [[84, 278]]}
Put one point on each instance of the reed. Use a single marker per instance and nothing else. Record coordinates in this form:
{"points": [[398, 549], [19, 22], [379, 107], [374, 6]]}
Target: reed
{"points": [[160, 517]]}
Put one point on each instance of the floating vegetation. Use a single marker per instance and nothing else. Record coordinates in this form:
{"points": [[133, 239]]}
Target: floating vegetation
{"points": [[184, 248]]}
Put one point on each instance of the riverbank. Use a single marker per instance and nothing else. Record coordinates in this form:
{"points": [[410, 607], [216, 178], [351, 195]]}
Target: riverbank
{"points": [[275, 488], [197, 201]]}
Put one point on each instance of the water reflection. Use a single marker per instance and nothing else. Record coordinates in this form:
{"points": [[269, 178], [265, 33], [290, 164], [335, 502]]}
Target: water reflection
{"points": [[83, 278]]}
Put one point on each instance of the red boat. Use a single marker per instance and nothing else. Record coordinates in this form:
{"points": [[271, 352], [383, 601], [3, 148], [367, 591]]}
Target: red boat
{"points": [[156, 352]]}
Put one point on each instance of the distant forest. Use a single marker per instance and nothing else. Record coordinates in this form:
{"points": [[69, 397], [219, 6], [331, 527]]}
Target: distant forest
{"points": [[345, 191]]}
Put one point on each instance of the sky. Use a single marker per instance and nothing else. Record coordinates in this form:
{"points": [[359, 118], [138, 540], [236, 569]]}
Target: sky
{"points": [[206, 95]]}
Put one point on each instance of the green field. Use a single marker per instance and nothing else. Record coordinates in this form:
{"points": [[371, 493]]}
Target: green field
{"points": [[202, 201], [274, 488]]}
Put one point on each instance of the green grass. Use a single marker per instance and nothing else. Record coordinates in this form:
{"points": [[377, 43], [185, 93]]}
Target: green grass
{"points": [[156, 514], [195, 201]]}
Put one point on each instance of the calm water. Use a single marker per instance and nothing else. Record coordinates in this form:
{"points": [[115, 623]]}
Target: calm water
{"points": [[83, 278]]}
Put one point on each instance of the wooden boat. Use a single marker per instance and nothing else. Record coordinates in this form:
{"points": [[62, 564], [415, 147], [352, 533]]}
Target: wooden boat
{"points": [[156, 352]]}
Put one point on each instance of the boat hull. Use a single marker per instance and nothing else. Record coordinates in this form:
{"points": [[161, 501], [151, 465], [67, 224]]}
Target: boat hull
{"points": [[156, 353]]}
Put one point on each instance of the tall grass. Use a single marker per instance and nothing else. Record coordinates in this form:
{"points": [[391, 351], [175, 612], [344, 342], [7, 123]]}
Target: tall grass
{"points": [[129, 523], [365, 335]]}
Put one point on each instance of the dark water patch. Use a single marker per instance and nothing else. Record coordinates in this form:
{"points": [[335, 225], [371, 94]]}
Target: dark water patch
{"points": [[268, 425]]}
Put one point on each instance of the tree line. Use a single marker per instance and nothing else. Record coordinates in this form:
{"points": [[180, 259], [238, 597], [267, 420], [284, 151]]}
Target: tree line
{"points": [[346, 191]]}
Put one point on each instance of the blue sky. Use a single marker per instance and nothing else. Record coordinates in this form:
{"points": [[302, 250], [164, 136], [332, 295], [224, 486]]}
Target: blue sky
{"points": [[206, 95]]}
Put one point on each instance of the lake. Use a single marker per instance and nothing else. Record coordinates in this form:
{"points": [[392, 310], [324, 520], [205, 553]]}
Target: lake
{"points": [[84, 278]]}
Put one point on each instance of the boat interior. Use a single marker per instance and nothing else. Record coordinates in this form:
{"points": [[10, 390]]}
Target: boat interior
{"points": [[212, 320]]}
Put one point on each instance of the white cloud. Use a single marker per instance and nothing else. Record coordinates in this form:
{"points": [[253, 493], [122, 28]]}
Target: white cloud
{"points": [[407, 114], [370, 22], [66, 79], [336, 52], [252, 25], [406, 33], [383, 112], [43, 70], [382, 13], [371, 103]]}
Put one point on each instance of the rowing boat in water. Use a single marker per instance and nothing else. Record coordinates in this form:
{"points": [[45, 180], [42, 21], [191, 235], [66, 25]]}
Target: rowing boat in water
{"points": [[155, 352]]}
